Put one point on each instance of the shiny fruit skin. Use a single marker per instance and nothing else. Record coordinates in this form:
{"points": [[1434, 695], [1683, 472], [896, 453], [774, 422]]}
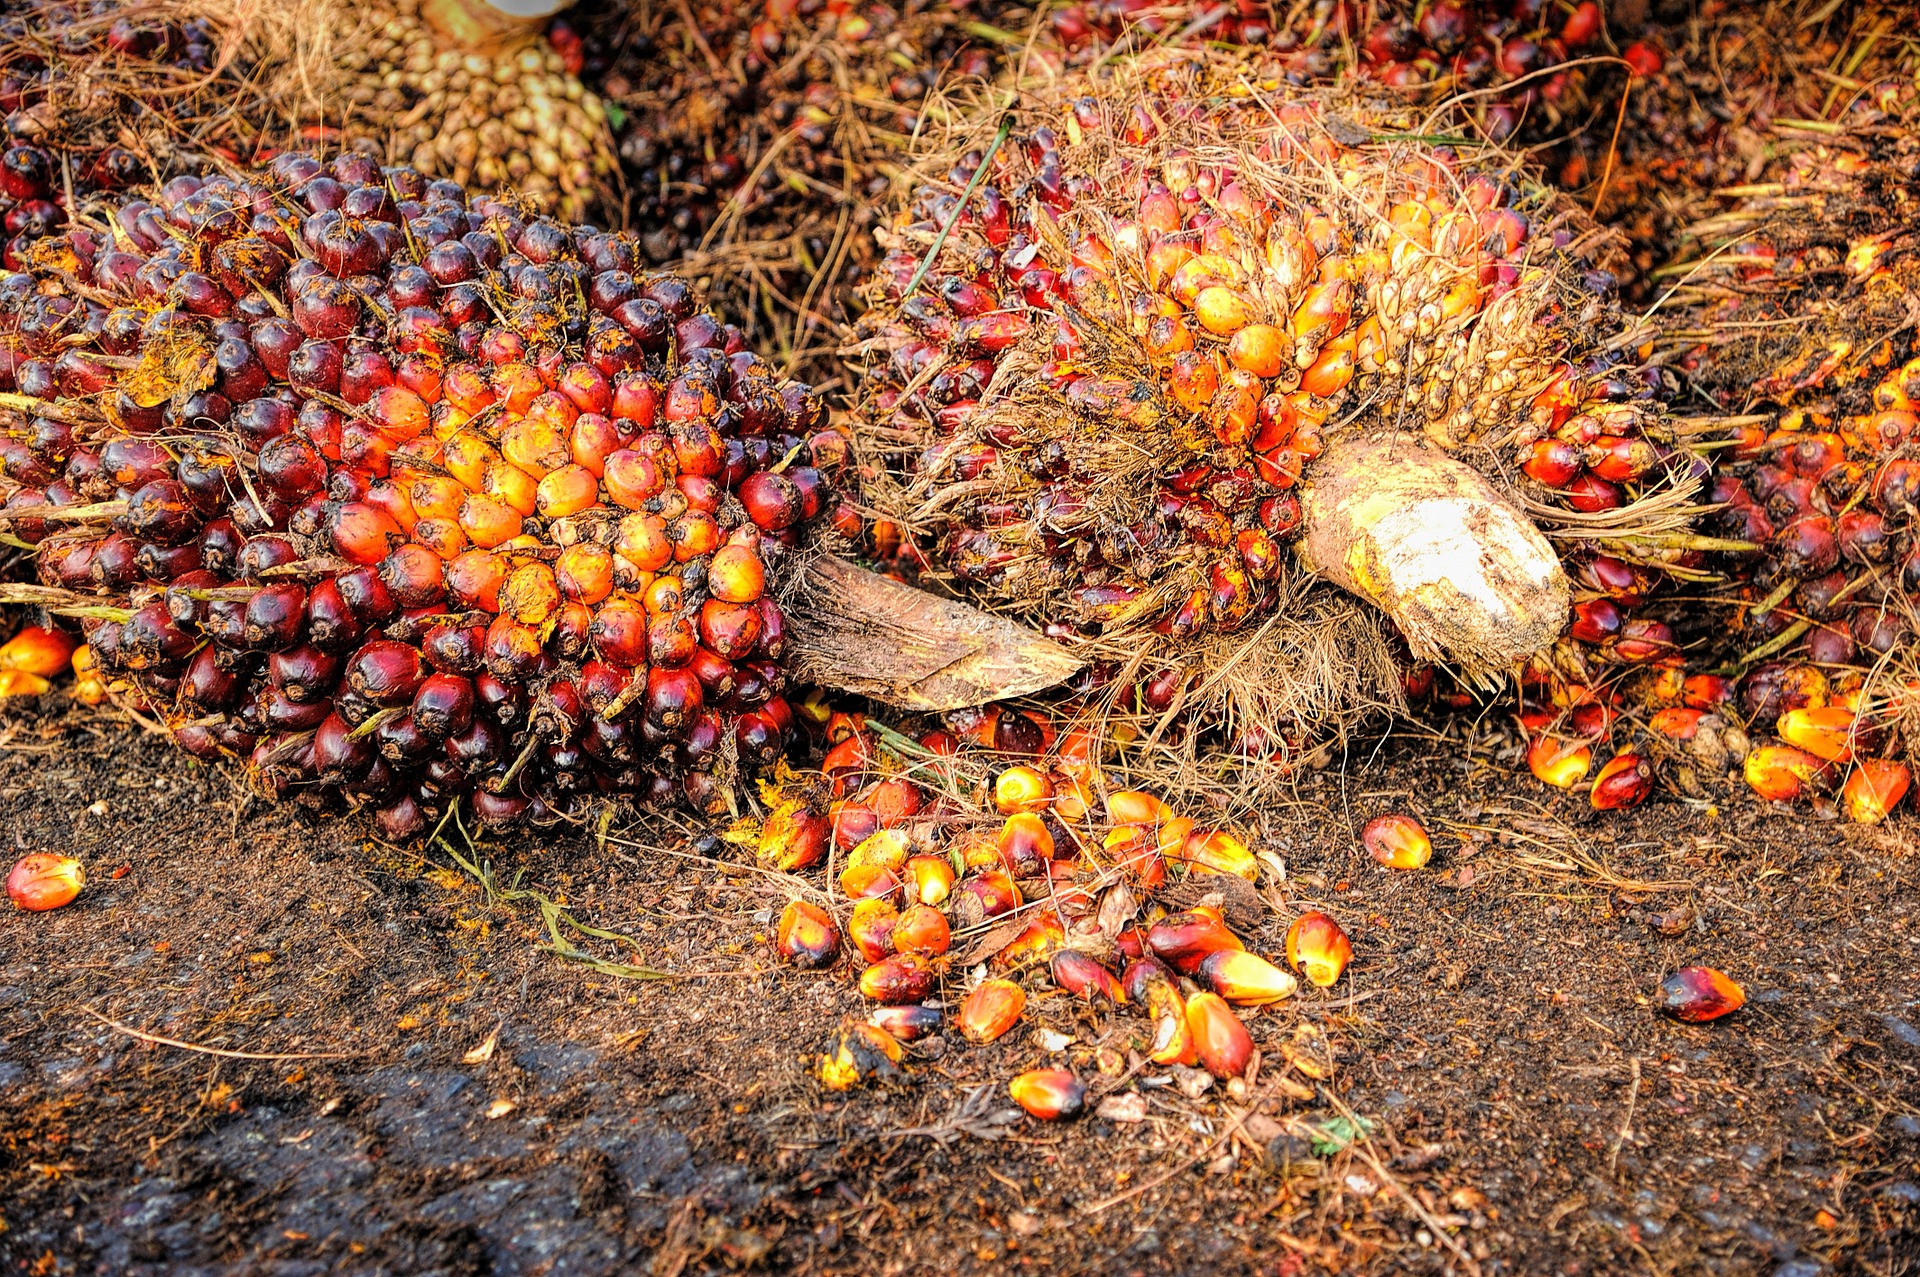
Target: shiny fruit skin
{"points": [[44, 881], [1318, 949], [1397, 841], [1048, 1094], [1699, 994]]}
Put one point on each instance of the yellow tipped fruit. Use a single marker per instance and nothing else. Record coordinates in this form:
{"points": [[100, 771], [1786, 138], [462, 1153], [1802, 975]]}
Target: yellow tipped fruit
{"points": [[1824, 731], [1084, 977], [1183, 940], [806, 935], [45, 881], [22, 683], [1874, 788], [1048, 1094], [38, 650], [930, 879], [1172, 1038], [1562, 764], [854, 1053], [1217, 852], [990, 1010], [1245, 979], [1397, 841], [908, 1023], [1222, 1042], [1318, 949], [1781, 773], [1021, 788]]}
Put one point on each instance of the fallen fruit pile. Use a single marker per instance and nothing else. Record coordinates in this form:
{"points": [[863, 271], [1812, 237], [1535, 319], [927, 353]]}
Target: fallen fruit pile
{"points": [[404, 496]]}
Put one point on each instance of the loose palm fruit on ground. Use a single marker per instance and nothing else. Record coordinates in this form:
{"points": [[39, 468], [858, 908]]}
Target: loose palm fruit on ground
{"points": [[1874, 787], [1623, 781], [38, 650], [1048, 1094], [1138, 385], [1223, 1044], [1318, 949], [1244, 979], [1397, 841], [1698, 994], [856, 1053], [807, 936], [990, 1010], [426, 515], [45, 881], [907, 1023]]}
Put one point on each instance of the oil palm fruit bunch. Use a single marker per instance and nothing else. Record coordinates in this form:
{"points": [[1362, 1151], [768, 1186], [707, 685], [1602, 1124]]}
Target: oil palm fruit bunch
{"points": [[404, 495], [1009, 844], [1145, 347]]}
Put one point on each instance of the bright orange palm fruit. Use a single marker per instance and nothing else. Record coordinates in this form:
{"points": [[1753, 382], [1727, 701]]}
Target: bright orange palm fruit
{"points": [[23, 683], [1781, 773], [1048, 1094], [38, 650], [1221, 1041], [1025, 843], [1825, 731], [854, 1053], [1679, 722], [1318, 949], [45, 881], [1874, 788], [930, 879], [793, 837], [1397, 841], [806, 935], [1699, 994], [1042, 936], [990, 1010], [1084, 977], [1562, 764], [922, 929], [1215, 851], [1136, 807], [1172, 1036]]}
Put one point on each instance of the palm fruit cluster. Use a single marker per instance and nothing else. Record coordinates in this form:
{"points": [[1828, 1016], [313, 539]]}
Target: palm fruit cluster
{"points": [[494, 115], [402, 495], [1108, 348], [960, 905]]}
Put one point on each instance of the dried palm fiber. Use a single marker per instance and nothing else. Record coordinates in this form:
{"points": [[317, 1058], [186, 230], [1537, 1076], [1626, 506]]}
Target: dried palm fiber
{"points": [[407, 497], [150, 89], [1142, 333], [762, 139]]}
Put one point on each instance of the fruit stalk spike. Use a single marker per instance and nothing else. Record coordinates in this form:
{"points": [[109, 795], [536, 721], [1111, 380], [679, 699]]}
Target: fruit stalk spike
{"points": [[1463, 574], [860, 632]]}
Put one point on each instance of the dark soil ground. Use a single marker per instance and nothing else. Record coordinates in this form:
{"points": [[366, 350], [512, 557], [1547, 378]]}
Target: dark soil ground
{"points": [[449, 1097]]}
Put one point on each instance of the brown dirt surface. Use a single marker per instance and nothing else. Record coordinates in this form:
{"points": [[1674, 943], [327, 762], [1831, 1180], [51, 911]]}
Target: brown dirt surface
{"points": [[454, 1099]]}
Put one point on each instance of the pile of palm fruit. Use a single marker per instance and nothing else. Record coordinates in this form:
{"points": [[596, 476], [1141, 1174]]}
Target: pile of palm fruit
{"points": [[406, 497]]}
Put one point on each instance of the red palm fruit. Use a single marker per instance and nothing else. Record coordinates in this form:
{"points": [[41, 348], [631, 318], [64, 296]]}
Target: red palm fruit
{"points": [[730, 629], [584, 572], [1048, 1094], [474, 579], [1676, 722], [1318, 949], [806, 935], [1136, 807], [897, 980], [1781, 773], [1244, 979], [1874, 788], [45, 881], [907, 1023], [895, 801], [992, 1008], [443, 705], [1553, 462], [793, 838], [38, 650], [930, 879], [1623, 781], [385, 672], [772, 501], [1183, 940], [1021, 789], [1025, 844], [1084, 977], [922, 929], [1699, 994], [364, 534], [1042, 936], [1397, 841], [1223, 1044], [985, 895], [1560, 763]]}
